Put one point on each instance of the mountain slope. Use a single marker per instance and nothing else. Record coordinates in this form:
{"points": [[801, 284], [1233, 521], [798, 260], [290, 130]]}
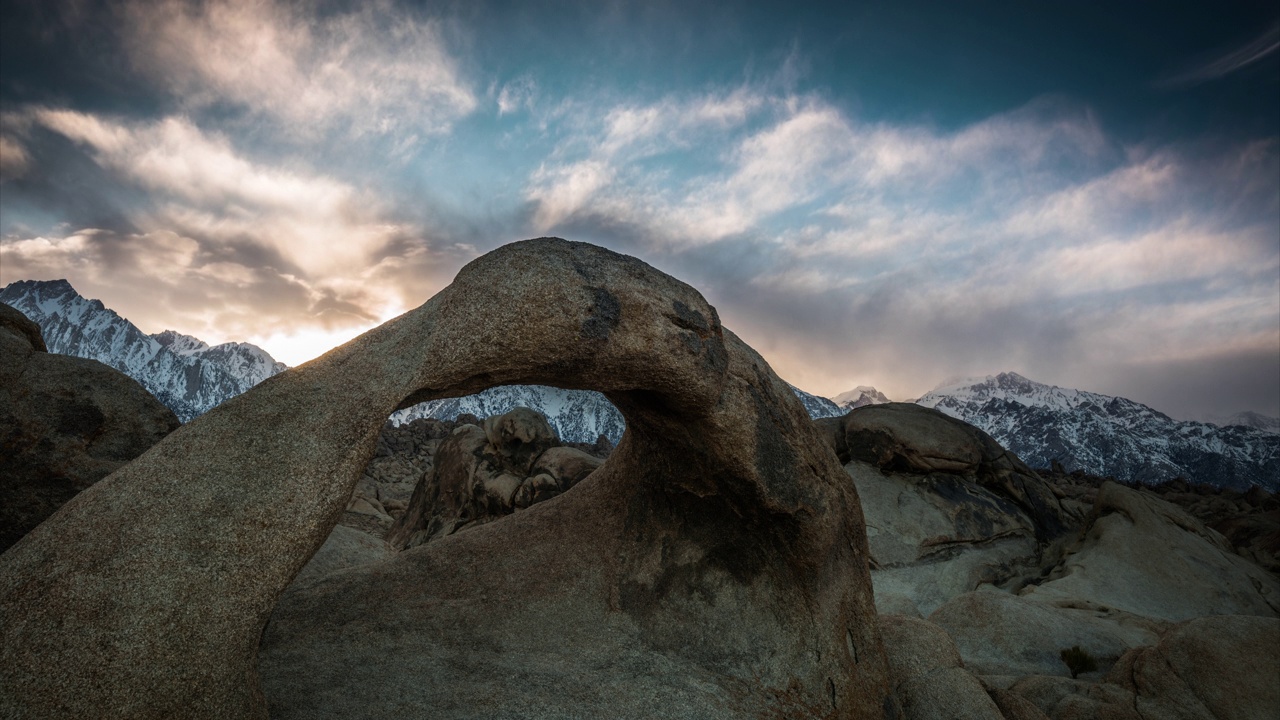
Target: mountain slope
{"points": [[1107, 435], [817, 407], [183, 373], [1258, 421]]}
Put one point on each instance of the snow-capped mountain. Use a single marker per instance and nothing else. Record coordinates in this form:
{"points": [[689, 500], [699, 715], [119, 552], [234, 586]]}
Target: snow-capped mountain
{"points": [[576, 415], [817, 407], [1106, 435], [246, 361], [1248, 418], [184, 373], [859, 396]]}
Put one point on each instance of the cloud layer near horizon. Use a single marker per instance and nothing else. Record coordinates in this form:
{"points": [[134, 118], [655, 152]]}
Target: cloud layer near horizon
{"points": [[311, 176]]}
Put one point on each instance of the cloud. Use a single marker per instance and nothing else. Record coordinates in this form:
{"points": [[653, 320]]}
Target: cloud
{"points": [[316, 224], [1236, 59], [373, 71], [14, 160], [893, 254], [225, 247], [517, 94]]}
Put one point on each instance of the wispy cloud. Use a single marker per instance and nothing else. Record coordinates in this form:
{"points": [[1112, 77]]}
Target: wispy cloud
{"points": [[1222, 65], [854, 252]]}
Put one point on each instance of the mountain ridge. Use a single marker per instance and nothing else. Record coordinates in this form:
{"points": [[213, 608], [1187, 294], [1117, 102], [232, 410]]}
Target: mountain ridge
{"points": [[190, 380], [1106, 435]]}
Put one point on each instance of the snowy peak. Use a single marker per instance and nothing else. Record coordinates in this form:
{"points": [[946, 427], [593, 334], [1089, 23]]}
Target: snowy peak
{"points": [[1108, 436], [179, 343], [181, 371], [858, 397], [817, 407], [576, 415]]}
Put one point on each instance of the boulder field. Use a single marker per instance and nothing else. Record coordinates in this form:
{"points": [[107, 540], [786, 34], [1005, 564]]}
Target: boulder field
{"points": [[985, 573], [715, 566]]}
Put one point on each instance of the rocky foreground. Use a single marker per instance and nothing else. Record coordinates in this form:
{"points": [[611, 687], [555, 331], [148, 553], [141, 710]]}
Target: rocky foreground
{"points": [[719, 563], [984, 570]]}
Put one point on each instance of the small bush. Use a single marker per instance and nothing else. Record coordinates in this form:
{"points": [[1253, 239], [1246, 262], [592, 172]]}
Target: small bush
{"points": [[1078, 661]]}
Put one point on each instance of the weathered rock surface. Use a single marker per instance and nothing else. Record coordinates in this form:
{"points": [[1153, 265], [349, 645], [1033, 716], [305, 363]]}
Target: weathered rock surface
{"points": [[1214, 668], [713, 567], [999, 633], [1223, 667], [402, 459], [928, 677], [65, 423], [947, 509], [1145, 556], [344, 548]]}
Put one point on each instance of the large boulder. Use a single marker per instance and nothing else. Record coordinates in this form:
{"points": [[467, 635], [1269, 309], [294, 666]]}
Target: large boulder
{"points": [[713, 567], [947, 509], [916, 440], [928, 676], [482, 473], [1224, 667], [65, 423], [1142, 555]]}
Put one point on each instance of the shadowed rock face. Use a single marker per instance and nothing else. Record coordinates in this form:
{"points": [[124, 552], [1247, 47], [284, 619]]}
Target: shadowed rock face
{"points": [[714, 566], [65, 423]]}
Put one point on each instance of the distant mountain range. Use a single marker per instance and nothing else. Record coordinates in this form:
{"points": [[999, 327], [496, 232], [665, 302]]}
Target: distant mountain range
{"points": [[1042, 424], [1108, 436], [186, 374]]}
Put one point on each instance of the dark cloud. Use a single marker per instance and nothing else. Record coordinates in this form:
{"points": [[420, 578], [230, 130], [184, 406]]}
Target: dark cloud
{"points": [[1220, 383], [60, 181]]}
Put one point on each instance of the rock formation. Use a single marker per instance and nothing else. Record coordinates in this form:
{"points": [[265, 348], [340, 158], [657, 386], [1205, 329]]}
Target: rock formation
{"points": [[65, 423], [1214, 668], [1142, 555], [713, 567], [483, 474], [928, 676], [947, 509]]}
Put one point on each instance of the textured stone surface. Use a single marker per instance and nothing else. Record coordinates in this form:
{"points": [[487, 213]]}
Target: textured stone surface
{"points": [[928, 676], [1214, 668], [345, 547], [714, 566], [1224, 667], [947, 509], [1003, 634], [65, 423], [1145, 556]]}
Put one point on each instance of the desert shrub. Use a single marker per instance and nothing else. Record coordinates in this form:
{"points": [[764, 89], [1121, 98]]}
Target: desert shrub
{"points": [[1078, 661]]}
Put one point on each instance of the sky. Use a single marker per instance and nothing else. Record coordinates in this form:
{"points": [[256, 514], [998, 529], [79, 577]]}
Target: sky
{"points": [[871, 193]]}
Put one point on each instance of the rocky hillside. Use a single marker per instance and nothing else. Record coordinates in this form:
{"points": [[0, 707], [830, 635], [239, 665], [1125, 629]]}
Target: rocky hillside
{"points": [[1108, 436], [184, 373]]}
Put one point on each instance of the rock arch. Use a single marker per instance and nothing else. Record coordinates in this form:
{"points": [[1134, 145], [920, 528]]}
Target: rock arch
{"points": [[721, 541]]}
